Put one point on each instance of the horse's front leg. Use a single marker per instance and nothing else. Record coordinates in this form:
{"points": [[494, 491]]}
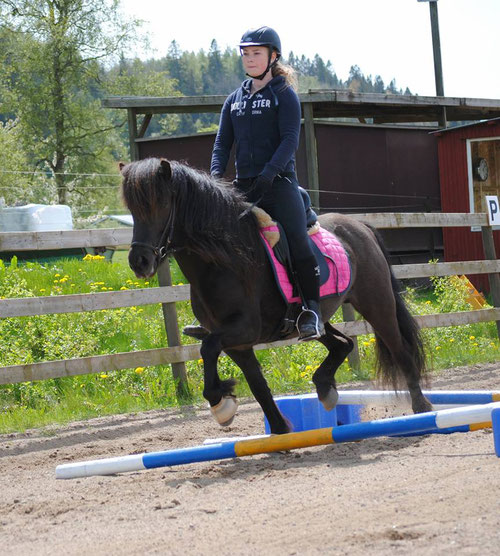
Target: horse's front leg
{"points": [[248, 363], [218, 393]]}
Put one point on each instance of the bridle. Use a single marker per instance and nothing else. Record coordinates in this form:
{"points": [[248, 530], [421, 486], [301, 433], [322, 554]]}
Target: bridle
{"points": [[165, 242]]}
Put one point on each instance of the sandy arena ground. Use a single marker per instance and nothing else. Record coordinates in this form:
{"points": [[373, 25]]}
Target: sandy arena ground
{"points": [[437, 494]]}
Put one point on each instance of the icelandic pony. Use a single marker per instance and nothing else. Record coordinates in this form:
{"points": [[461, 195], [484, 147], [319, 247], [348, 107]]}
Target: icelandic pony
{"points": [[205, 224]]}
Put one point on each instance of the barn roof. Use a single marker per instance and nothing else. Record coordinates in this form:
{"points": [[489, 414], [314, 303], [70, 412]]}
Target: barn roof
{"points": [[470, 124], [342, 103]]}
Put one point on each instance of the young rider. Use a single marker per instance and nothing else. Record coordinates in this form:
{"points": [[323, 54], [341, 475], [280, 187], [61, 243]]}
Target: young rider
{"points": [[262, 118]]}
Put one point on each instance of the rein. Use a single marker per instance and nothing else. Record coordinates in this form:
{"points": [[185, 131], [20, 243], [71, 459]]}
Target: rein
{"points": [[163, 248]]}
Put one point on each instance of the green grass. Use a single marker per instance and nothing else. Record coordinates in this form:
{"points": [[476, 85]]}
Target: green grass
{"points": [[27, 340]]}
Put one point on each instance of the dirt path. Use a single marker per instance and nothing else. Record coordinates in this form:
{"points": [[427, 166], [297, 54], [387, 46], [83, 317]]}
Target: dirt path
{"points": [[423, 495]]}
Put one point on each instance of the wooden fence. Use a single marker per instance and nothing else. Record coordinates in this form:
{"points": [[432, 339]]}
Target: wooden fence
{"points": [[177, 354]]}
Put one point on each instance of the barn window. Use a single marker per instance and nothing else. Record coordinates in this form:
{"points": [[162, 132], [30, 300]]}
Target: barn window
{"points": [[483, 159]]}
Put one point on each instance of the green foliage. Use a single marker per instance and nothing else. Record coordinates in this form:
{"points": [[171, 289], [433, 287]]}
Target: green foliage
{"points": [[52, 54], [14, 176]]}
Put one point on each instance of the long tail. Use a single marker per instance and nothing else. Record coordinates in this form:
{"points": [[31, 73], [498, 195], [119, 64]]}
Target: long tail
{"points": [[387, 369]]}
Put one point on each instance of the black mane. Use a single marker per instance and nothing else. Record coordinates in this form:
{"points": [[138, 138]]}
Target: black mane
{"points": [[207, 211]]}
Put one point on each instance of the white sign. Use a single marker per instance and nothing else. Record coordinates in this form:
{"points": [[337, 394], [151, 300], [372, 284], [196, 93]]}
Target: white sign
{"points": [[493, 208]]}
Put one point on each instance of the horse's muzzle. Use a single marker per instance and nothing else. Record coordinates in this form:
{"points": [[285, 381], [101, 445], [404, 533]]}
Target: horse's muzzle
{"points": [[142, 262]]}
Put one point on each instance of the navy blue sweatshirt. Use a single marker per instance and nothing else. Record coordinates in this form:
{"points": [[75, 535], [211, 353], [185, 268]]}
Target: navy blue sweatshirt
{"points": [[265, 127]]}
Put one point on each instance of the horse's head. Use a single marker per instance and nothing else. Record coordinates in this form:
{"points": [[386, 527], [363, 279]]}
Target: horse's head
{"points": [[149, 198]]}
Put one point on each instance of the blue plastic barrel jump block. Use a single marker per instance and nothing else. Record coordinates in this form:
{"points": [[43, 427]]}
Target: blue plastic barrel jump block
{"points": [[495, 420], [347, 414], [305, 413]]}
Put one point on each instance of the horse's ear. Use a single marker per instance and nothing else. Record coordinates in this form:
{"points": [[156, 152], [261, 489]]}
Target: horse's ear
{"points": [[121, 165], [165, 168]]}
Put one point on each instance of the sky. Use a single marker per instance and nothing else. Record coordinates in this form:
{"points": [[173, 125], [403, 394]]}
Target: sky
{"points": [[390, 38]]}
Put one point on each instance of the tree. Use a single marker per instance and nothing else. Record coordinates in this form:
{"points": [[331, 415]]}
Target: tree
{"points": [[53, 52]]}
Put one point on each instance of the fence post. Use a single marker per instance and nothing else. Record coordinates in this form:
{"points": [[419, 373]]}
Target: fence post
{"points": [[172, 329], [311, 155], [494, 279], [353, 357]]}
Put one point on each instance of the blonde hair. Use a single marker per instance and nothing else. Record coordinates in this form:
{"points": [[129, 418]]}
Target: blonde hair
{"points": [[287, 72]]}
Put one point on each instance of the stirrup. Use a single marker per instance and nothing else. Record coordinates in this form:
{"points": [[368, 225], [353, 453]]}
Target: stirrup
{"points": [[317, 328]]}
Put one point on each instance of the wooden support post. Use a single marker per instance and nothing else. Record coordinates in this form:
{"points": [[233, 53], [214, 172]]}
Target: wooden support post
{"points": [[172, 329], [353, 357], [436, 48], [311, 155], [494, 279], [144, 125], [132, 134]]}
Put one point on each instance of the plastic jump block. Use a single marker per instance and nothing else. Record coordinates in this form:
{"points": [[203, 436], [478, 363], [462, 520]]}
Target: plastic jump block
{"points": [[422, 422], [495, 419], [305, 412]]}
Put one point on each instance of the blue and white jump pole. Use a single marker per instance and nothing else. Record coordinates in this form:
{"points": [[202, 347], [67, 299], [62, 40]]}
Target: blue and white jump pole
{"points": [[475, 416], [436, 397]]}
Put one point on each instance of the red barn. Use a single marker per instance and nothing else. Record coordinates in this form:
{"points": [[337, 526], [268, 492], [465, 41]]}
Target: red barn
{"points": [[469, 169]]}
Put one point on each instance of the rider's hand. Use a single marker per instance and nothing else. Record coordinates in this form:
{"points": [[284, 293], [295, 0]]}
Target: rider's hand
{"points": [[262, 183]]}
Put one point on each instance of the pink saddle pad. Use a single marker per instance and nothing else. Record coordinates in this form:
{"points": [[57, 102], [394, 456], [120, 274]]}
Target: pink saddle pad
{"points": [[336, 258]]}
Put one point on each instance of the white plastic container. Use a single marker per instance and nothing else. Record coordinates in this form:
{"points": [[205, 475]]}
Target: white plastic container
{"points": [[35, 218]]}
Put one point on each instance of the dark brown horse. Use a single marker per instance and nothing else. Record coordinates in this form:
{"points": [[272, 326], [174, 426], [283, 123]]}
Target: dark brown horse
{"points": [[204, 223]]}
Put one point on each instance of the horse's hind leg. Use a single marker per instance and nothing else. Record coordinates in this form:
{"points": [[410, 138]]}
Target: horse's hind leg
{"points": [[338, 346], [399, 345], [248, 363]]}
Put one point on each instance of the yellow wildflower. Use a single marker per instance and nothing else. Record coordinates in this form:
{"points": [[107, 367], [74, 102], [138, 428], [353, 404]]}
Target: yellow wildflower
{"points": [[438, 347], [472, 337], [124, 288], [139, 370], [103, 375]]}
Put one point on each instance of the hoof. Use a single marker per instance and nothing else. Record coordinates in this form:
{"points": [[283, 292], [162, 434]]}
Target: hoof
{"points": [[330, 400], [225, 411], [422, 406]]}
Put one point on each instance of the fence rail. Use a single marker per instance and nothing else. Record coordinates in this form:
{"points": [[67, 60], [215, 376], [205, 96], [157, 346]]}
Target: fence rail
{"points": [[168, 295], [113, 237]]}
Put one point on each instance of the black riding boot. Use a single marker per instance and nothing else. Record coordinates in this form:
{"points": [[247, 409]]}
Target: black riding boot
{"points": [[310, 323]]}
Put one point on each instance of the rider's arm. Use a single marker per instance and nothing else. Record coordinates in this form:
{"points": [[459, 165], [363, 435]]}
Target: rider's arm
{"points": [[289, 127], [223, 141]]}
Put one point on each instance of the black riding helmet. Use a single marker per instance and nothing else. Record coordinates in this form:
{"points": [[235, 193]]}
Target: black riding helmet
{"points": [[263, 36]]}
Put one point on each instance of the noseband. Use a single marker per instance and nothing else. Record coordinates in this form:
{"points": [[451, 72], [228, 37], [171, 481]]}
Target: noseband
{"points": [[164, 244]]}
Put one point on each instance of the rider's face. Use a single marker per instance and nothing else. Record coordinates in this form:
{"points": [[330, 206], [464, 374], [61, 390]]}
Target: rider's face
{"points": [[255, 59]]}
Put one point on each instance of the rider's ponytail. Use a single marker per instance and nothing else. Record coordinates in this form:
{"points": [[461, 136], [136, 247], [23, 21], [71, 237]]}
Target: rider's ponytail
{"points": [[287, 72]]}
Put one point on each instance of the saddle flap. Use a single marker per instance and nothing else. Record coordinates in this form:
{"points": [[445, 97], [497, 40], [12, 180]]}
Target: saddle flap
{"points": [[282, 253]]}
